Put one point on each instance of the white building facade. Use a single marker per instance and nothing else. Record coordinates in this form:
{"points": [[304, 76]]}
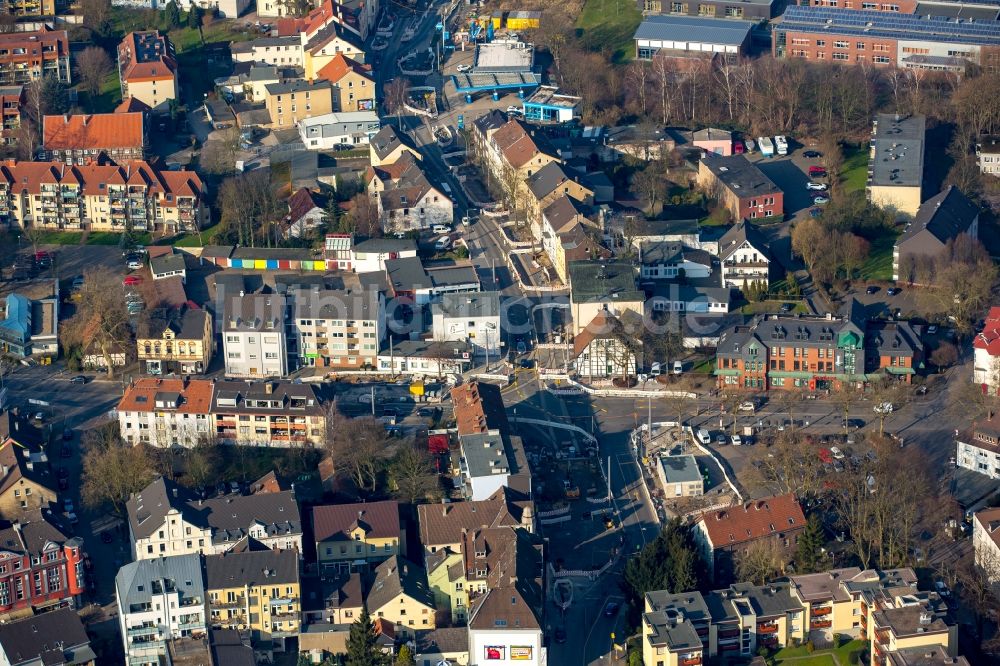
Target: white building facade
{"points": [[254, 338], [330, 130], [472, 318]]}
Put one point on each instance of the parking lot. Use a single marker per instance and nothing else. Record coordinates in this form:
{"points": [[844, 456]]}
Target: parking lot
{"points": [[790, 174]]}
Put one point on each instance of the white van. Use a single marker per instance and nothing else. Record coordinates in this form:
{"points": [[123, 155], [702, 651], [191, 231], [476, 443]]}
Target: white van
{"points": [[655, 369], [441, 229], [678, 367], [447, 188], [442, 243]]}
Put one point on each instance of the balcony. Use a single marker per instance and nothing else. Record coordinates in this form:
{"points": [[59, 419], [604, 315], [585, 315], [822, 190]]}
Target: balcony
{"points": [[769, 628], [822, 610], [691, 661], [820, 624], [191, 625], [238, 602], [143, 631]]}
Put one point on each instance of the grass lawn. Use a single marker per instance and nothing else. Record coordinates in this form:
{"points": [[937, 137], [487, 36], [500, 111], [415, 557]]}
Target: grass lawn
{"points": [[812, 660], [608, 26], [705, 367], [799, 656], [107, 99], [854, 173], [879, 264], [773, 306], [113, 238], [57, 238], [207, 237]]}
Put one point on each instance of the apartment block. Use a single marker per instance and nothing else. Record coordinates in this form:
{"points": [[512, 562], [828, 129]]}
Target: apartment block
{"points": [[986, 542], [347, 534], [896, 163], [986, 347], [12, 100], [816, 353], [295, 100], [30, 641], [30, 8], [340, 329], [182, 412], [745, 256], [159, 601], [255, 590], [29, 56], [254, 336], [147, 68], [176, 341], [978, 448], [101, 197], [83, 138], [745, 191], [472, 318], [884, 607], [165, 519]]}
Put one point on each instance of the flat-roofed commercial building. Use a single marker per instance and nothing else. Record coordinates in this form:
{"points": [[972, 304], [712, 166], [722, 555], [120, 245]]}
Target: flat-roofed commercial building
{"points": [[692, 35], [753, 10], [896, 163]]}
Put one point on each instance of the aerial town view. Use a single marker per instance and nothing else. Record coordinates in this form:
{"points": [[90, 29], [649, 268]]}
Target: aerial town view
{"points": [[499, 332]]}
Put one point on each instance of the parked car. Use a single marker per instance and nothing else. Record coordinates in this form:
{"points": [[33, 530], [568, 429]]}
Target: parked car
{"points": [[133, 264], [787, 307], [463, 68], [820, 187], [812, 154], [836, 453], [440, 229], [79, 379], [611, 610], [750, 145], [815, 212], [883, 408], [131, 280], [703, 436], [821, 200], [656, 369], [736, 440], [77, 282], [817, 172], [892, 291], [720, 439], [678, 367], [872, 289], [513, 109], [747, 406], [932, 329], [442, 243]]}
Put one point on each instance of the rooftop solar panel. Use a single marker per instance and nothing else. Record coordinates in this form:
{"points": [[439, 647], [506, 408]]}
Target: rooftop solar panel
{"points": [[885, 24]]}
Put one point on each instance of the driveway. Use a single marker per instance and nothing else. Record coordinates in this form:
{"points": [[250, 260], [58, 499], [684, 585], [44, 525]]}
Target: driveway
{"points": [[792, 180]]}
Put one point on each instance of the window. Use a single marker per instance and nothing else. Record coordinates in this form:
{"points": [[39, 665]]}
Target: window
{"points": [[820, 42], [841, 45], [881, 59], [841, 56]]}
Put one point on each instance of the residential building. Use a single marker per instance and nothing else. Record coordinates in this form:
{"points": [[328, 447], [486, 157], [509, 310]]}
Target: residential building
{"points": [[338, 250], [165, 519], [609, 347], [682, 36], [597, 286], [567, 235], [986, 347], [159, 600], [745, 257], [724, 534], [699, 295], [165, 413], [32, 8], [641, 142], [101, 197], [306, 213], [713, 141], [491, 456], [882, 38], [83, 138], [896, 163], [735, 622], [745, 191], [426, 358], [349, 535], [506, 572], [339, 328], [30, 327], [978, 448], [256, 591], [254, 336], [986, 542], [26, 57], [12, 101], [442, 525], [332, 130], [176, 341], [680, 476], [166, 266], [816, 353], [450, 644], [931, 655], [513, 153], [472, 318], [448, 583], [633, 229], [388, 146], [548, 184], [147, 68], [405, 198], [41, 569], [295, 100], [269, 413], [664, 260], [357, 17], [939, 220], [332, 600], [370, 255], [353, 84], [754, 10], [987, 154], [399, 595], [27, 484], [406, 277], [56, 637]]}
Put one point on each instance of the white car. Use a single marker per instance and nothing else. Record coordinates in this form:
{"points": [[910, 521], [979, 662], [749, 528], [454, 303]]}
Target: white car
{"points": [[464, 68], [746, 406], [736, 440], [513, 109], [442, 243], [441, 229], [819, 187], [703, 436], [836, 453], [883, 408]]}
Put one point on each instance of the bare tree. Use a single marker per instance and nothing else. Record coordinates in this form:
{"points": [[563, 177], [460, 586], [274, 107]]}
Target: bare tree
{"points": [[394, 95], [412, 475], [101, 318], [787, 466], [93, 65], [357, 447], [364, 215], [112, 469], [760, 562]]}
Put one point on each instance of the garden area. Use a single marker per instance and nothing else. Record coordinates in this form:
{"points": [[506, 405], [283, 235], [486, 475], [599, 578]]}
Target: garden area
{"points": [[608, 25], [847, 654]]}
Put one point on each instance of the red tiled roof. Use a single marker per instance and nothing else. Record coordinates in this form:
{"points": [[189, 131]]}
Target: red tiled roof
{"points": [[28, 177], [97, 131], [337, 68], [158, 68], [196, 395], [478, 408], [132, 105], [335, 522], [515, 144], [600, 323], [989, 338], [753, 520]]}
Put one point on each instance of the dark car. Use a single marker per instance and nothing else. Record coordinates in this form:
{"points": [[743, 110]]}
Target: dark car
{"points": [[527, 364], [107, 537], [611, 609], [427, 412], [560, 636], [892, 291], [812, 154], [67, 434], [65, 452], [79, 379], [815, 212], [63, 484], [787, 307], [871, 290]]}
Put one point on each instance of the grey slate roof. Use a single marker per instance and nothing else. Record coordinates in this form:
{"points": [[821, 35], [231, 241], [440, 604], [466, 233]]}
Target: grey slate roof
{"points": [[289, 397], [183, 571], [383, 245], [444, 640], [656, 253], [737, 235], [485, 454], [740, 176], [55, 637], [546, 180], [561, 212], [694, 29], [297, 85], [187, 326], [361, 304], [254, 312], [397, 576], [229, 516], [406, 273], [387, 140], [429, 349], [899, 149], [251, 568], [680, 469], [944, 216], [593, 281]]}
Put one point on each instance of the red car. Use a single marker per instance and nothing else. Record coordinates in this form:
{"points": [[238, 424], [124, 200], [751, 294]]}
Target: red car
{"points": [[131, 280], [817, 171]]}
